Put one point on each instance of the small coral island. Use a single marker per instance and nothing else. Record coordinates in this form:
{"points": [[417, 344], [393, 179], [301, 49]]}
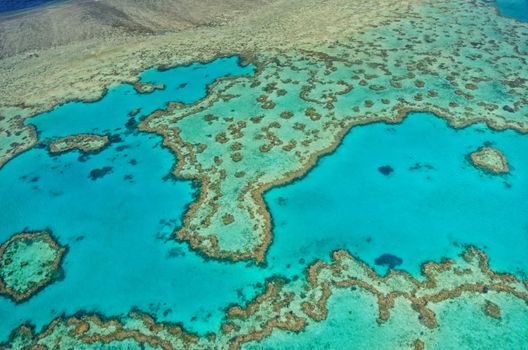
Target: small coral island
{"points": [[86, 143], [29, 261], [147, 88], [490, 160]]}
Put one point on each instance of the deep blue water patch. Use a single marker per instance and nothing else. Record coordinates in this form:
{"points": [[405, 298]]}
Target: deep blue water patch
{"points": [[13, 5], [386, 170], [389, 260], [517, 9]]}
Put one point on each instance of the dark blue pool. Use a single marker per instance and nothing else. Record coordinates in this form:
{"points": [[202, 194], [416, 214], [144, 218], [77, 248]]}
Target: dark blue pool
{"points": [[12, 5]]}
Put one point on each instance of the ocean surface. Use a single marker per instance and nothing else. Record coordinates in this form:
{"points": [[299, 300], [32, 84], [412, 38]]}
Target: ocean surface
{"points": [[405, 191], [513, 8], [13, 5]]}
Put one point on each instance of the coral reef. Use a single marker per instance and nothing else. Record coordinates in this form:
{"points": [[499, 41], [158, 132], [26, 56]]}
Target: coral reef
{"points": [[420, 55], [490, 160], [146, 88], [29, 261], [262, 131], [87, 143], [15, 137], [316, 79], [292, 305]]}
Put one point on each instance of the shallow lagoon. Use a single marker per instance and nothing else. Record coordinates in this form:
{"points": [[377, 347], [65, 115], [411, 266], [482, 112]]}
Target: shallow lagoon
{"points": [[184, 84], [432, 202], [117, 226]]}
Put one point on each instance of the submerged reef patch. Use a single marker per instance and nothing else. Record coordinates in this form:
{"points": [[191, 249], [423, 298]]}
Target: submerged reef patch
{"points": [[386, 170], [292, 304], [493, 310], [389, 260], [99, 173], [490, 160], [29, 261]]}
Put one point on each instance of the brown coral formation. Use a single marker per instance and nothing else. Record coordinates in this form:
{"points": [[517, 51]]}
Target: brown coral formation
{"points": [[490, 160], [87, 143], [29, 261], [147, 88], [292, 305], [493, 310]]}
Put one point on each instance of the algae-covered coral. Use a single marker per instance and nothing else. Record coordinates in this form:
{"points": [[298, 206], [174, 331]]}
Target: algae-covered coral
{"points": [[29, 261], [292, 305]]}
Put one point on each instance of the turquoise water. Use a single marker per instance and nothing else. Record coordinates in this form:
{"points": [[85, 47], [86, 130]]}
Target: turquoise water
{"points": [[432, 201], [117, 226], [185, 84], [513, 8]]}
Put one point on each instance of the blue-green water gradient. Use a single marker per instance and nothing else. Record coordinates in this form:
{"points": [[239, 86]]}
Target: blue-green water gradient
{"points": [[117, 227]]}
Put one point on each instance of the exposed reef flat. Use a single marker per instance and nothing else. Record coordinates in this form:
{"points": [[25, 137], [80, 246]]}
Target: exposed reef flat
{"points": [[262, 131], [28, 262], [323, 68], [473, 75], [293, 305], [269, 129], [86, 143], [490, 160]]}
